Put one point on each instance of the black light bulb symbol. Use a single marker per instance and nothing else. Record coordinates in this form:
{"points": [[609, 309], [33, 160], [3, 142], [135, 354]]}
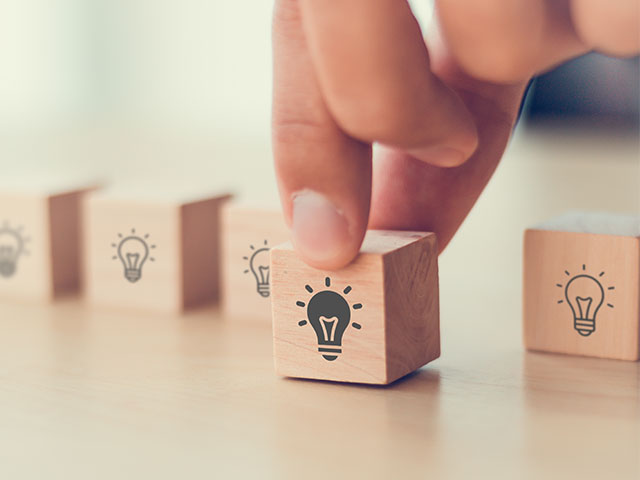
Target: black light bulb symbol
{"points": [[259, 266], [133, 252], [11, 247], [329, 314], [585, 295]]}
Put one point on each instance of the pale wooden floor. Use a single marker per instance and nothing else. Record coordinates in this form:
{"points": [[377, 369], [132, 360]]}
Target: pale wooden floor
{"points": [[94, 394]]}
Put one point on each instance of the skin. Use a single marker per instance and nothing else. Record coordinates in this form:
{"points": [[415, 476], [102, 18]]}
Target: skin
{"points": [[375, 126]]}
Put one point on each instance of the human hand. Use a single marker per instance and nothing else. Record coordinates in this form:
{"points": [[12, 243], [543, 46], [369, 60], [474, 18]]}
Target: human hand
{"points": [[351, 73]]}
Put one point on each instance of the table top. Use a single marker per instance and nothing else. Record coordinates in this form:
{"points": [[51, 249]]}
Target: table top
{"points": [[86, 393]]}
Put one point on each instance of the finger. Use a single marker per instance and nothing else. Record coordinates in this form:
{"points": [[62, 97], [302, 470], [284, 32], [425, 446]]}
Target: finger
{"points": [[324, 176], [373, 70], [612, 27], [410, 195], [508, 41]]}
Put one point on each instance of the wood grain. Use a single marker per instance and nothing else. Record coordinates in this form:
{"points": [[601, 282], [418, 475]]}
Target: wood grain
{"points": [[412, 306], [50, 229], [551, 260], [181, 269], [245, 231], [88, 394], [65, 229], [200, 251], [391, 292]]}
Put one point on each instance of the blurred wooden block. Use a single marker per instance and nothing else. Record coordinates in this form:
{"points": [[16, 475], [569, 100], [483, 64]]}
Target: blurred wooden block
{"points": [[158, 253], [374, 321], [247, 236], [40, 243], [581, 286]]}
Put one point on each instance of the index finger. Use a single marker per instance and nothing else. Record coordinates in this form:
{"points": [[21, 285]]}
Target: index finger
{"points": [[324, 175]]}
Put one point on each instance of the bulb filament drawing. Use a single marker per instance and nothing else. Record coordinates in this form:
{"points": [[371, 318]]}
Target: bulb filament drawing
{"points": [[585, 295], [12, 247], [329, 314], [259, 267], [133, 252]]}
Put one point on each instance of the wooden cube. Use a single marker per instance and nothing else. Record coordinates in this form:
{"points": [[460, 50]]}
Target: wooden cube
{"points": [[157, 253], [374, 321], [581, 286], [247, 236], [40, 249]]}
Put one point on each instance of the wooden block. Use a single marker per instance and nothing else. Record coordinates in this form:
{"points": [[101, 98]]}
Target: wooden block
{"points": [[40, 248], [374, 321], [581, 286], [247, 236], [154, 253]]}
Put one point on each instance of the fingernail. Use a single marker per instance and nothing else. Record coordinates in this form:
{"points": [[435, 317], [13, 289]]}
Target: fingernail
{"points": [[440, 156], [320, 230]]}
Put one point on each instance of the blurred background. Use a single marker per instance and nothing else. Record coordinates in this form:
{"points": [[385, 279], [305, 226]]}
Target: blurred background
{"points": [[125, 79], [152, 93]]}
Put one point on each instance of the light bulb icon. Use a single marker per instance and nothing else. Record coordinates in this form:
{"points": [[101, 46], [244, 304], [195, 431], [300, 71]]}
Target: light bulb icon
{"points": [[585, 295], [12, 246], [133, 252], [259, 267], [329, 314]]}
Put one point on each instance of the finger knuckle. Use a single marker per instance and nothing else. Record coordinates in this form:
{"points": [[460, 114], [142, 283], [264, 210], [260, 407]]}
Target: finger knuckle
{"points": [[298, 131]]}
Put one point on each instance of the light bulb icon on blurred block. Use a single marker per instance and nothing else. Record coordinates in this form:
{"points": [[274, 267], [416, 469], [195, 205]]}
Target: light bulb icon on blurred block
{"points": [[585, 295], [259, 267], [133, 252], [329, 314], [12, 246]]}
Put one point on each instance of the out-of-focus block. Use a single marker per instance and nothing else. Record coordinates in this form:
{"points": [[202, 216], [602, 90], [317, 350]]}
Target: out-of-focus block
{"points": [[40, 249], [248, 234], [374, 321], [156, 253], [582, 284]]}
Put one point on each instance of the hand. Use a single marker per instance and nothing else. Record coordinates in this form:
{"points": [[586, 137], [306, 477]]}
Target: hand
{"points": [[351, 73]]}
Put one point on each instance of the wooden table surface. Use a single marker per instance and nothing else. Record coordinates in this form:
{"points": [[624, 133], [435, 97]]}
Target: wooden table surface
{"points": [[109, 394], [87, 394]]}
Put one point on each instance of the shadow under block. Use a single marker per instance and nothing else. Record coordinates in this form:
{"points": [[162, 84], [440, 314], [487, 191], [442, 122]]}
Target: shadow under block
{"points": [[581, 288], [374, 321], [247, 236], [40, 245], [151, 255]]}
